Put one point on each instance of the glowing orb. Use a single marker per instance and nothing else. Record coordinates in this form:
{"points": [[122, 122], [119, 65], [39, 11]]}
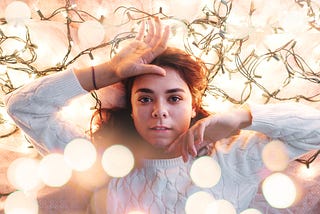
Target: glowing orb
{"points": [[80, 154], [205, 172], [23, 174], [279, 190], [198, 202], [275, 156], [54, 171], [117, 161], [136, 212], [251, 211], [221, 206], [18, 202], [91, 33], [17, 12]]}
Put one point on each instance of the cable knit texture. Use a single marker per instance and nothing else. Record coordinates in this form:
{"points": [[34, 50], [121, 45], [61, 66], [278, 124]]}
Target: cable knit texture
{"points": [[163, 186]]}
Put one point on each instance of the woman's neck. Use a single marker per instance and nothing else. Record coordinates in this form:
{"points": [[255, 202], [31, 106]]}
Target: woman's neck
{"points": [[145, 150]]}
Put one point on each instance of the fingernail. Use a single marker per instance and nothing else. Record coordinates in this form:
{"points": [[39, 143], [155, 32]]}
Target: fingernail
{"points": [[194, 152]]}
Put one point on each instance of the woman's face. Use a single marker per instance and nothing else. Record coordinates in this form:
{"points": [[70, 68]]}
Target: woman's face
{"points": [[161, 107]]}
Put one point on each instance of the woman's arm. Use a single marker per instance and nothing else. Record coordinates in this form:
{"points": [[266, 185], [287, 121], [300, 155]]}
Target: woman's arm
{"points": [[35, 106], [295, 124]]}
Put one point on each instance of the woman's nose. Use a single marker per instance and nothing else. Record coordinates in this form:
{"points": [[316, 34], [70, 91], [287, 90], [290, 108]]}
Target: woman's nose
{"points": [[159, 111]]}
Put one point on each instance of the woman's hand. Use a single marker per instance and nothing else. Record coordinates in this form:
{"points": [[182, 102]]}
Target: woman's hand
{"points": [[134, 59], [209, 130]]}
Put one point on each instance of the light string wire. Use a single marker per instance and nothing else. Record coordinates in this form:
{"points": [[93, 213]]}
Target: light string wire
{"points": [[214, 39]]}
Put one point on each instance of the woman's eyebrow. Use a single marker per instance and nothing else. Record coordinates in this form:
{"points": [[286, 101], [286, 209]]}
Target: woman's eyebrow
{"points": [[169, 91], [174, 90], [144, 90]]}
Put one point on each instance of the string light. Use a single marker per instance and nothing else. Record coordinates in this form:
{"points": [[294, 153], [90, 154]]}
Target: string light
{"points": [[209, 35]]}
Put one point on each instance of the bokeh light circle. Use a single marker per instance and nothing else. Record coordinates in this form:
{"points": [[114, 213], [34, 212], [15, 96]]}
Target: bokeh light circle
{"points": [[117, 161], [91, 33], [205, 172], [279, 190], [136, 212], [54, 171], [221, 206], [18, 202], [80, 154], [251, 211], [23, 174], [17, 12], [275, 156], [198, 202]]}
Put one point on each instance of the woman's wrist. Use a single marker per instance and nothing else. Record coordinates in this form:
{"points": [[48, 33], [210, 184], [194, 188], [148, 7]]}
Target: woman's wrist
{"points": [[245, 116], [95, 77]]}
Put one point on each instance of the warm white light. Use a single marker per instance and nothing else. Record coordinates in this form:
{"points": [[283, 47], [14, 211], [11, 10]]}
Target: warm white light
{"points": [[220, 206], [95, 61], [251, 211], [238, 26], [17, 12], [18, 78], [102, 11], [275, 41], [205, 172], [73, 6], [23, 174], [307, 173], [117, 161], [136, 212], [54, 171], [279, 190], [161, 4], [3, 69], [275, 156], [198, 202], [216, 104], [80, 154], [18, 203], [91, 33], [79, 111]]}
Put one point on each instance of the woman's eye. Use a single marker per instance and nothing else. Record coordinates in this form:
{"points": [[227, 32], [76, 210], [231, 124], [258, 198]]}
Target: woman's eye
{"points": [[175, 99], [145, 99]]}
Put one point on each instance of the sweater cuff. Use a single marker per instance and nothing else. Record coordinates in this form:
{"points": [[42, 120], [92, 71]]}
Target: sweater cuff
{"points": [[67, 83], [263, 117]]}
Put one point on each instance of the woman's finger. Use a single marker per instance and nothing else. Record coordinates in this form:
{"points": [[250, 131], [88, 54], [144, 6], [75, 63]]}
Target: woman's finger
{"points": [[191, 144], [184, 149], [140, 34], [158, 34], [161, 43], [150, 34]]}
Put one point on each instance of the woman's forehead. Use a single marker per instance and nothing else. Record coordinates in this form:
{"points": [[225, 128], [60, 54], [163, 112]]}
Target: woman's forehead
{"points": [[172, 78]]}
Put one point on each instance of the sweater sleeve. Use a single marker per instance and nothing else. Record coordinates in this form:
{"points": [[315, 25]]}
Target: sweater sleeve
{"points": [[34, 108], [295, 124]]}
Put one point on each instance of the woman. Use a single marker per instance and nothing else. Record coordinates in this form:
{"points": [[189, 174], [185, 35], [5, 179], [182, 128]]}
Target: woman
{"points": [[163, 101]]}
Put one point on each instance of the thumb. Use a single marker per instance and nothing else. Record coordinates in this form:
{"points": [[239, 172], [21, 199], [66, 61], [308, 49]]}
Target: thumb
{"points": [[151, 69]]}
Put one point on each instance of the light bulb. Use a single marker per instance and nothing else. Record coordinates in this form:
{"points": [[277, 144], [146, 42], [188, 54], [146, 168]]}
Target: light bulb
{"points": [[17, 12]]}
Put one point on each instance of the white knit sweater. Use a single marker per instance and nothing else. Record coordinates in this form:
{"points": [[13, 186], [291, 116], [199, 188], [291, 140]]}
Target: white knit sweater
{"points": [[162, 186]]}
